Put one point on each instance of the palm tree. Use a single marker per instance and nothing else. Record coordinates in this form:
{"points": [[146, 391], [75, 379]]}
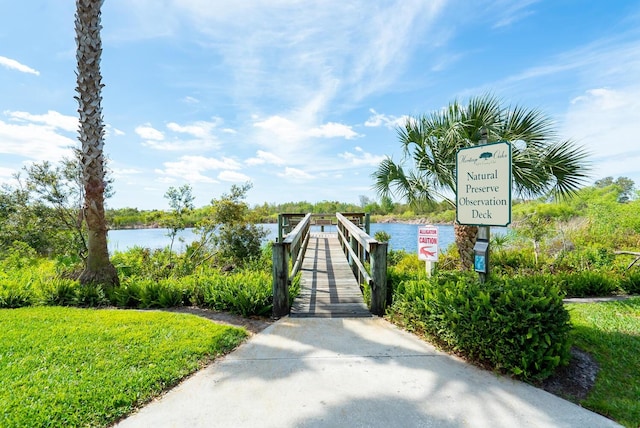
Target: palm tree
{"points": [[98, 268], [541, 164]]}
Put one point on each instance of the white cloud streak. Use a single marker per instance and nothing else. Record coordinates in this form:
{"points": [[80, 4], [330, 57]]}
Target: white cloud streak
{"points": [[12, 64], [194, 168]]}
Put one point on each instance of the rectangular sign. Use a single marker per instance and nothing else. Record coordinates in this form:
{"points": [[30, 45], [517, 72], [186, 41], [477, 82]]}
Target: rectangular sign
{"points": [[483, 185], [428, 243]]}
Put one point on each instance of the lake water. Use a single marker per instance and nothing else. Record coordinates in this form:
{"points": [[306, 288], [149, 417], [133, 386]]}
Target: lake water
{"points": [[403, 236]]}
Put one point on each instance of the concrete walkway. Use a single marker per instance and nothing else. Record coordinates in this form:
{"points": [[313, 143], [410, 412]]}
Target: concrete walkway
{"points": [[352, 372]]}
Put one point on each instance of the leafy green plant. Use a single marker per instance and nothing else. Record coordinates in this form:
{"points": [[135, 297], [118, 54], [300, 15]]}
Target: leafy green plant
{"points": [[159, 294], [630, 282], [244, 293], [60, 292], [587, 283], [15, 294], [91, 295], [128, 294], [515, 325]]}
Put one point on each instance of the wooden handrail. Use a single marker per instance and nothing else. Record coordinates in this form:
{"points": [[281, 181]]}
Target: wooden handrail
{"points": [[359, 248], [290, 247], [297, 241]]}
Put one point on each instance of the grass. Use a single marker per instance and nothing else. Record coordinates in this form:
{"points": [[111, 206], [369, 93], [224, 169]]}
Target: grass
{"points": [[88, 367], [610, 332]]}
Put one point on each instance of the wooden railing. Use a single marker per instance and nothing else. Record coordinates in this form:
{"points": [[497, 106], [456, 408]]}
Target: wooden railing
{"points": [[286, 249], [361, 248]]}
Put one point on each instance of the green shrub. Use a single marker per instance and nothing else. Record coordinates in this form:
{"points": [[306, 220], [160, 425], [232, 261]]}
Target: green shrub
{"points": [[91, 296], [515, 325], [15, 294], [630, 283], [245, 293], [128, 294], [60, 292], [587, 283], [159, 294]]}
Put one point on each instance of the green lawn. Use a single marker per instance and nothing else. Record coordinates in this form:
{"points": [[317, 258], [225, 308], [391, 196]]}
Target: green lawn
{"points": [[610, 332], [88, 367]]}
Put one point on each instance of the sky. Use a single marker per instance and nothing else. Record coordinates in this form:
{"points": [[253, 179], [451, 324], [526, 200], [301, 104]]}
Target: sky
{"points": [[303, 98]]}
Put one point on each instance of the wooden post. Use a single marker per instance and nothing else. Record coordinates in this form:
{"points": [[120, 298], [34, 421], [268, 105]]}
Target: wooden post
{"points": [[484, 235], [367, 223], [280, 228], [379, 273], [429, 267], [280, 259], [353, 243]]}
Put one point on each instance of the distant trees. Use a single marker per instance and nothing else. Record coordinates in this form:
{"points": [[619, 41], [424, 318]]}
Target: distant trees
{"points": [[625, 185]]}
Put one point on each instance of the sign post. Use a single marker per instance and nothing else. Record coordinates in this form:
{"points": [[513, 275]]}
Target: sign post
{"points": [[428, 246], [483, 193]]}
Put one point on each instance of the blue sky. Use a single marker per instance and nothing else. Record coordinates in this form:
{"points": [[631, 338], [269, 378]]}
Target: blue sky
{"points": [[302, 97]]}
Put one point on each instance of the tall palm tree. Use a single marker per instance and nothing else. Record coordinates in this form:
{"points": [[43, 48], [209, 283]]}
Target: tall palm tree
{"points": [[98, 269], [541, 164]]}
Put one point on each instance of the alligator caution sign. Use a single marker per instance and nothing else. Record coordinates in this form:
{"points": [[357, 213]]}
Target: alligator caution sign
{"points": [[428, 243]]}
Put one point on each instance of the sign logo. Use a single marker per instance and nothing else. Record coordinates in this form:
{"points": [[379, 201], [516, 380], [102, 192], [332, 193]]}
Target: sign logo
{"points": [[483, 185], [428, 243]]}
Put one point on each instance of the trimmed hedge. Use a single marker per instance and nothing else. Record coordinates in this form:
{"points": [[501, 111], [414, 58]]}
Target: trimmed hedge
{"points": [[515, 326]]}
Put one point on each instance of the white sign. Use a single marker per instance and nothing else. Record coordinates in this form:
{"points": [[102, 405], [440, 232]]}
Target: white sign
{"points": [[428, 243], [483, 184]]}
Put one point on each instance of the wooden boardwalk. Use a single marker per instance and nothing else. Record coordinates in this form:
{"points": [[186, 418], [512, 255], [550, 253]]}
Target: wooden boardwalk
{"points": [[328, 287]]}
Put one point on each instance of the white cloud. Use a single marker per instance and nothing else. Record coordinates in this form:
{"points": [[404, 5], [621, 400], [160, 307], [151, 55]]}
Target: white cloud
{"points": [[193, 168], [284, 128], [508, 12], [233, 176], [201, 131], [605, 121], [147, 132], [362, 158], [333, 130], [191, 100], [33, 141], [12, 64], [51, 119], [295, 131], [6, 174], [295, 174], [263, 157], [379, 119]]}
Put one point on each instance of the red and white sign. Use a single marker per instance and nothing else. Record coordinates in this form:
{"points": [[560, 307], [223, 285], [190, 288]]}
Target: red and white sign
{"points": [[428, 243]]}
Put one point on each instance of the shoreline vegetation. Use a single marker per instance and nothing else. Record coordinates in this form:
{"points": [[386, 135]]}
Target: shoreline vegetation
{"points": [[374, 220]]}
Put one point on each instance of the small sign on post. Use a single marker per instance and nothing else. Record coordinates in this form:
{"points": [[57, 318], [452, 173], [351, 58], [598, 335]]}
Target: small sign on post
{"points": [[428, 246]]}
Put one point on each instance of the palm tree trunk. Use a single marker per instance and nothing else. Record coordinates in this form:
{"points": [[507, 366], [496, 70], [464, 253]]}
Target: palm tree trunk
{"points": [[98, 269], [465, 238]]}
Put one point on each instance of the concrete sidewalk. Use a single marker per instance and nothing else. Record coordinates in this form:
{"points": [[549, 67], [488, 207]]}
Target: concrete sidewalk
{"points": [[352, 372]]}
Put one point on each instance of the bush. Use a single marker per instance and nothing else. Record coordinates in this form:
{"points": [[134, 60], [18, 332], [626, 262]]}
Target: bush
{"points": [[60, 292], [15, 294], [91, 296], [516, 326], [159, 294], [630, 283], [587, 283], [128, 294], [244, 293]]}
